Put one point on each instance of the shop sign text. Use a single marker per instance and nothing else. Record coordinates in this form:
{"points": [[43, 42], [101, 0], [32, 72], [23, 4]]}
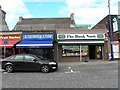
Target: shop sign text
{"points": [[80, 36], [10, 37], [38, 37], [115, 24]]}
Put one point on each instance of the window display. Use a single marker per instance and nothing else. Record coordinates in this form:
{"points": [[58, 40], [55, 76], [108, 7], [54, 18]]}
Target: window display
{"points": [[46, 53], [84, 49], [73, 50]]}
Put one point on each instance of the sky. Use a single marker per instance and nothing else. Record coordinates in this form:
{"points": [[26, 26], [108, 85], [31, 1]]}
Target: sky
{"points": [[85, 11]]}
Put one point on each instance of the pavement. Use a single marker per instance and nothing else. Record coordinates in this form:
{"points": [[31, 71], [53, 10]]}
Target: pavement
{"points": [[90, 62]]}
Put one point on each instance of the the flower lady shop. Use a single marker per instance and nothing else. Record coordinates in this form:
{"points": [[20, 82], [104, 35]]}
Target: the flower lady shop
{"points": [[8, 40], [39, 44]]}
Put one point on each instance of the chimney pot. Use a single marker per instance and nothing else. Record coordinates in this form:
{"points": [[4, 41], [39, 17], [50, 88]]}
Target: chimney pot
{"points": [[72, 16], [20, 18]]}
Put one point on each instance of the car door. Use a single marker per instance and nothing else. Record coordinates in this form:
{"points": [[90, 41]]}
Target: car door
{"points": [[30, 63], [19, 63]]}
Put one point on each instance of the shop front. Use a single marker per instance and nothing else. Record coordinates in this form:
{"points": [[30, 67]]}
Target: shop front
{"points": [[116, 52], [80, 47], [38, 44], [7, 43]]}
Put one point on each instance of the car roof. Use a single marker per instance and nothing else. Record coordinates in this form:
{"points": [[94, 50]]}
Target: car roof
{"points": [[19, 54], [24, 54]]}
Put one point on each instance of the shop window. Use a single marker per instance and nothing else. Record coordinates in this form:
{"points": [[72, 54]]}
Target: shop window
{"points": [[45, 52], [74, 50], [8, 52], [84, 49], [70, 51]]}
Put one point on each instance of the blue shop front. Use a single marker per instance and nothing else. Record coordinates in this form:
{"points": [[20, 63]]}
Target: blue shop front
{"points": [[38, 44]]}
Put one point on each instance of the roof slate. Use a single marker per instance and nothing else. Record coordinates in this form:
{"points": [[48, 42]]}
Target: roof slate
{"points": [[3, 24], [43, 23]]}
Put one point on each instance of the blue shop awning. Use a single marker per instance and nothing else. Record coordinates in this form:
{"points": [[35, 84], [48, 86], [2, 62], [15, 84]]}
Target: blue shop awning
{"points": [[35, 44]]}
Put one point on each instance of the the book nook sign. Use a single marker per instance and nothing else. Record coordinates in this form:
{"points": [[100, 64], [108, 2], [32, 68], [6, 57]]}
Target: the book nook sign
{"points": [[80, 36]]}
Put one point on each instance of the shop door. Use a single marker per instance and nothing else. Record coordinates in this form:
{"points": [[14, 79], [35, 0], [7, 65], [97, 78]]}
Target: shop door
{"points": [[98, 52], [95, 52], [91, 52]]}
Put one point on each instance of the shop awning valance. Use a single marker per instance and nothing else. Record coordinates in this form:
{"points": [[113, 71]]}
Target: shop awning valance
{"points": [[8, 43], [35, 44]]}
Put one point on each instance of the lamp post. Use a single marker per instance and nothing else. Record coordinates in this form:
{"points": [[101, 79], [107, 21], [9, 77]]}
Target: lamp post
{"points": [[110, 30]]}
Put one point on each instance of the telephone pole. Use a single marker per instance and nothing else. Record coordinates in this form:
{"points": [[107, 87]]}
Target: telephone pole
{"points": [[110, 31]]}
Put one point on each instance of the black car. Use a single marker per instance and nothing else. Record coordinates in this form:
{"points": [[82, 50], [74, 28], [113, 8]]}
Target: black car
{"points": [[28, 62]]}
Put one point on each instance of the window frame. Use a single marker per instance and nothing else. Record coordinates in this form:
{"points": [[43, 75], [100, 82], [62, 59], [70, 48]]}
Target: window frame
{"points": [[75, 46], [76, 53], [19, 59], [29, 56]]}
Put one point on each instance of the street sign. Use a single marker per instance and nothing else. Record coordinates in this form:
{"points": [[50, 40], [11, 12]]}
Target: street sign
{"points": [[5, 41]]}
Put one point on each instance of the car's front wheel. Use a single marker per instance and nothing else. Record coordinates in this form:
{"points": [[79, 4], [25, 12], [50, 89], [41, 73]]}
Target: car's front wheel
{"points": [[9, 68], [45, 68]]}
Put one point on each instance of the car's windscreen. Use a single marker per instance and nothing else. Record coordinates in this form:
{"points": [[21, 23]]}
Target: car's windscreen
{"points": [[39, 57], [10, 58], [42, 58]]}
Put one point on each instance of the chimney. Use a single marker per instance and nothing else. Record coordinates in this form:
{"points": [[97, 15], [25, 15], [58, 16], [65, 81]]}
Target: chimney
{"points": [[20, 18], [72, 16], [2, 13]]}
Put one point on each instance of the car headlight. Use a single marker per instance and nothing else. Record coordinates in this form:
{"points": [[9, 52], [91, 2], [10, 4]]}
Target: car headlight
{"points": [[52, 63]]}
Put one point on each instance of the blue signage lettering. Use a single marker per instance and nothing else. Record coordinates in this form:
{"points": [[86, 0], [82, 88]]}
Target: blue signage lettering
{"points": [[37, 37]]}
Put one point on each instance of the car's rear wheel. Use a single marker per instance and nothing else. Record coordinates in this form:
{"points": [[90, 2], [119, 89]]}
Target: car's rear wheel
{"points": [[9, 68], [45, 68]]}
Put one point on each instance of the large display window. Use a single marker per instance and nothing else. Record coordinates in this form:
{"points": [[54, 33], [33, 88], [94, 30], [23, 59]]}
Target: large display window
{"points": [[70, 51], [46, 53], [74, 50], [6, 52]]}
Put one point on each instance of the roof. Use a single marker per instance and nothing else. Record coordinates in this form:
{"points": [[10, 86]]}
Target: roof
{"points": [[42, 23], [104, 23], [3, 24]]}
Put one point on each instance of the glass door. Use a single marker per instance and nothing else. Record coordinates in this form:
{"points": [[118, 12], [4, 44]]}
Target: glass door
{"points": [[98, 52]]}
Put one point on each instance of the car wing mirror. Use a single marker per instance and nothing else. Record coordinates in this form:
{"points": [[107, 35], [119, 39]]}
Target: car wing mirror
{"points": [[34, 60]]}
